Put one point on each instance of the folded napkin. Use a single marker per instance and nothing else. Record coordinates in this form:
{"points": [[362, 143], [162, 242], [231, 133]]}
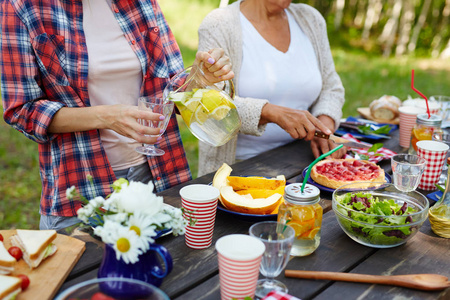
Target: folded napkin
{"points": [[435, 196], [385, 153], [343, 130], [276, 295]]}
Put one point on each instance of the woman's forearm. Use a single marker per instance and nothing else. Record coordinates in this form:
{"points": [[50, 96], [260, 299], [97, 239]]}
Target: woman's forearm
{"points": [[73, 119]]}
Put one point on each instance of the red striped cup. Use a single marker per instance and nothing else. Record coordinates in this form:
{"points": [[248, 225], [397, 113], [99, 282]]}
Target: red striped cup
{"points": [[408, 115], [239, 258], [435, 154], [200, 203]]}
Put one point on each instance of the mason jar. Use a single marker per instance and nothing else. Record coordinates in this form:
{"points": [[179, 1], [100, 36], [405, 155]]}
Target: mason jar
{"points": [[423, 130], [302, 211]]}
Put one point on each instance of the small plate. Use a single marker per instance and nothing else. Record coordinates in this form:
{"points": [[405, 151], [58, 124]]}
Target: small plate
{"points": [[341, 131], [246, 217], [327, 189]]}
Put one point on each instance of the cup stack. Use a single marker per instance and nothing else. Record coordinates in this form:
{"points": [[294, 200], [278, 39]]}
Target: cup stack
{"points": [[408, 115], [199, 202]]}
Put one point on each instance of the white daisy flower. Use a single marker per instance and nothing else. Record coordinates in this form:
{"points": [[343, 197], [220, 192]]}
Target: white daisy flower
{"points": [[130, 217], [144, 228], [126, 244], [138, 196], [108, 231]]}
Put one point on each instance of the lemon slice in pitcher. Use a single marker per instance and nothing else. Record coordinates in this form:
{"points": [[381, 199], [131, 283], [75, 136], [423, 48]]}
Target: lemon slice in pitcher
{"points": [[220, 112], [200, 115], [186, 114], [193, 103]]}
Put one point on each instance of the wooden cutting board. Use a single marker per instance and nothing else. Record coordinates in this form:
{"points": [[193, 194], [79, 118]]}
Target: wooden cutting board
{"points": [[48, 277], [365, 112]]}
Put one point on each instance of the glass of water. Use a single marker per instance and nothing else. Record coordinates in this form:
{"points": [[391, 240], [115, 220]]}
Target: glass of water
{"points": [[158, 106], [444, 108], [407, 169], [278, 239]]}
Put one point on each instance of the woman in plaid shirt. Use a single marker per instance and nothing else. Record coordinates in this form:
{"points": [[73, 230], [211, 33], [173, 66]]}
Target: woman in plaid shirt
{"points": [[71, 73]]}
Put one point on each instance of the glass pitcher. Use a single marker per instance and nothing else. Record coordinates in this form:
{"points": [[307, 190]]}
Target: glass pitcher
{"points": [[207, 109]]}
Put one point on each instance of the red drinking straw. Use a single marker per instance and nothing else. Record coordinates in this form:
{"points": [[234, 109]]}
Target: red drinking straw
{"points": [[417, 91]]}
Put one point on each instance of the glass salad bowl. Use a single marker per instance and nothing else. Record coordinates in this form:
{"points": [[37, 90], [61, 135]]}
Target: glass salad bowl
{"points": [[113, 289], [379, 216]]}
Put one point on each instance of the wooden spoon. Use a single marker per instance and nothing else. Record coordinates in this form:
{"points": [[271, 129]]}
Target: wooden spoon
{"points": [[427, 282]]}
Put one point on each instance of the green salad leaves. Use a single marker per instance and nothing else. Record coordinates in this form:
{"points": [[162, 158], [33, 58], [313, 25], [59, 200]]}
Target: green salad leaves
{"points": [[368, 209]]}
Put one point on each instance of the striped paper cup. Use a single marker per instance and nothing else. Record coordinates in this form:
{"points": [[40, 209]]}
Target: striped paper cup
{"points": [[434, 153], [200, 204], [201, 244], [408, 115], [239, 258]]}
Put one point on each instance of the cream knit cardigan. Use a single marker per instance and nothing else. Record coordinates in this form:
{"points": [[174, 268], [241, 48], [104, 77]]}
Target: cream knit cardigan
{"points": [[221, 28]]}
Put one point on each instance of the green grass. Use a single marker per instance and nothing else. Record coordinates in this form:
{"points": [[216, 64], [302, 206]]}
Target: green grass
{"points": [[365, 77], [20, 185]]}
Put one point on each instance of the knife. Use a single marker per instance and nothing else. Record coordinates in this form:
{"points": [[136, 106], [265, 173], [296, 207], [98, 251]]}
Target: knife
{"points": [[339, 140]]}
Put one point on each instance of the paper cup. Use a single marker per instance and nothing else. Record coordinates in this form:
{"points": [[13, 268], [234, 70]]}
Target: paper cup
{"points": [[200, 203], [239, 260], [408, 115], [434, 153]]}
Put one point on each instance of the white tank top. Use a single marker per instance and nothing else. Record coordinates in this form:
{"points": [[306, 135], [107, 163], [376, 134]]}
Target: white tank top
{"points": [[114, 77], [290, 79]]}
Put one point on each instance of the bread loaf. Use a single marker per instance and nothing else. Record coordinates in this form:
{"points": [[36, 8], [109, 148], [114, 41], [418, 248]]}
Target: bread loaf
{"points": [[385, 108]]}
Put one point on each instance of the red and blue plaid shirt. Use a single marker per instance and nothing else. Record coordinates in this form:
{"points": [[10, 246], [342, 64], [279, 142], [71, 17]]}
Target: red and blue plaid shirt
{"points": [[44, 67]]}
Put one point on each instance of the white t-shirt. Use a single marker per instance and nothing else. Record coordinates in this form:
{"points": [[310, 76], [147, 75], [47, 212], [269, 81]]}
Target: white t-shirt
{"points": [[114, 77], [290, 79]]}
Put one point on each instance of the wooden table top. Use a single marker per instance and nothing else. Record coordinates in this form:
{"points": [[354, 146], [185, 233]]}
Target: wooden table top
{"points": [[195, 272]]}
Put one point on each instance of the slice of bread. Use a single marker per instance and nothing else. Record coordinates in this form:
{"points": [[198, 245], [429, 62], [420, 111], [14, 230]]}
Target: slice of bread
{"points": [[6, 259], [35, 241], [9, 285]]}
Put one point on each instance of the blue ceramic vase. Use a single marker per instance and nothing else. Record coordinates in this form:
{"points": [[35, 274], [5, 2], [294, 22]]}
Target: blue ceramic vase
{"points": [[148, 268]]}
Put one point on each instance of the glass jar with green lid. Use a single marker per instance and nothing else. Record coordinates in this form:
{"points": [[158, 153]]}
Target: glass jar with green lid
{"points": [[301, 210]]}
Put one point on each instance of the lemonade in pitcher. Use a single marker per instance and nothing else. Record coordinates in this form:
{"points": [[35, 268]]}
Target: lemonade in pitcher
{"points": [[207, 109]]}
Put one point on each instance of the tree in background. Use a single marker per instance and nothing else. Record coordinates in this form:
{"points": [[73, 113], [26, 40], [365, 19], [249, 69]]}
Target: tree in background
{"points": [[390, 27]]}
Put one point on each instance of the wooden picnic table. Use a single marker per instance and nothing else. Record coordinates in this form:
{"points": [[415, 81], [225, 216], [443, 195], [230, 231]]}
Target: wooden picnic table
{"points": [[195, 272]]}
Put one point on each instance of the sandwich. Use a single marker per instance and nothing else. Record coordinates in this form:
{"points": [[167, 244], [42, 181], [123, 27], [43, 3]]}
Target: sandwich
{"points": [[7, 261], [9, 287], [36, 245]]}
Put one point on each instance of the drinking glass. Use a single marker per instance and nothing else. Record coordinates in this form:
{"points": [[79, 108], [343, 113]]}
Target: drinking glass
{"points": [[407, 169], [445, 138], [444, 108], [158, 106], [278, 239]]}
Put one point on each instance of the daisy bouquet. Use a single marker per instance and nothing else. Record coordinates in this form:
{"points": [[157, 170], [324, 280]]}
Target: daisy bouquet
{"points": [[130, 218]]}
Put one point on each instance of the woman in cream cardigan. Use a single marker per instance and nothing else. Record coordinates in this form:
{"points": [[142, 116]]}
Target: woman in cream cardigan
{"points": [[285, 79]]}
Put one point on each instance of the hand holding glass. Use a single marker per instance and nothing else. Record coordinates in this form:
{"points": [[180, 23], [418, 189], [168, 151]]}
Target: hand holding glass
{"points": [[407, 170], [157, 106], [278, 239]]}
